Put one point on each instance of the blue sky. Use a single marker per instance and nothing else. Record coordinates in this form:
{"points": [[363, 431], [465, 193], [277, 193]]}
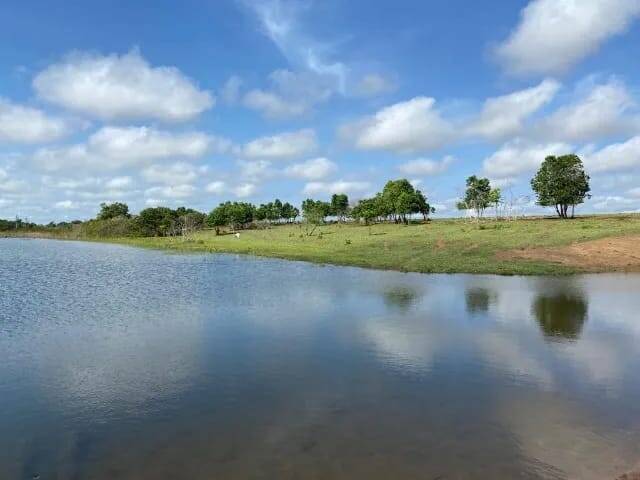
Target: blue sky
{"points": [[160, 103]]}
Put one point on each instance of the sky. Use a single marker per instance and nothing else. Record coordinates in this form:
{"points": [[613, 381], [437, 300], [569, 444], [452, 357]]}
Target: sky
{"points": [[201, 101]]}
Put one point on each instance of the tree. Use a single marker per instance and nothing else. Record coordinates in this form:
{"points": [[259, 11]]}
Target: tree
{"points": [[113, 210], [289, 212], [368, 209], [187, 221], [561, 182], [217, 218], [397, 198], [236, 215], [477, 196], [315, 212], [339, 205], [422, 205], [156, 221], [495, 197]]}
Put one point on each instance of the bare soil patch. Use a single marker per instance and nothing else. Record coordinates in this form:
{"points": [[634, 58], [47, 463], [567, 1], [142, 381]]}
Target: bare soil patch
{"points": [[607, 254]]}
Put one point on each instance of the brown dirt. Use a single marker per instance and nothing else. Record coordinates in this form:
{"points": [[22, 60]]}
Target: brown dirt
{"points": [[607, 254], [630, 476]]}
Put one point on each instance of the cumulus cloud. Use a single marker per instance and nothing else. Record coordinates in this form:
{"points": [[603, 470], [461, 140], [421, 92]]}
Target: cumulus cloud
{"points": [[272, 105], [21, 124], [291, 94], [601, 112], [405, 127], [67, 205], [284, 146], [255, 170], [373, 84], [171, 191], [554, 35], [121, 86], [178, 173], [244, 190], [340, 186], [119, 182], [518, 157], [118, 147], [424, 166], [615, 157], [504, 116], [313, 169], [10, 185], [217, 187]]}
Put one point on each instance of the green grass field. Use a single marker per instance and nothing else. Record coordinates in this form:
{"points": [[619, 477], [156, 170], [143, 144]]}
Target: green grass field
{"points": [[443, 246]]}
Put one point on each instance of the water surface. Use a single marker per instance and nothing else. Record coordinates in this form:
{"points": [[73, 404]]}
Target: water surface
{"points": [[120, 363]]}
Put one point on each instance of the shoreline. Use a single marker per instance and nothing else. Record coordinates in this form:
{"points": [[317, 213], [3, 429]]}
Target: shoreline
{"points": [[519, 247]]}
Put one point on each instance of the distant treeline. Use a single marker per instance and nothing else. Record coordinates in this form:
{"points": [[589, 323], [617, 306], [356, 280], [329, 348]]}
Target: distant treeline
{"points": [[561, 182]]}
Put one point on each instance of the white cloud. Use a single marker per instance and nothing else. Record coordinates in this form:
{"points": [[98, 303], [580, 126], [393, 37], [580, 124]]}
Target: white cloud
{"points": [[423, 166], [313, 169], [599, 114], [119, 182], [553, 35], [340, 186], [171, 191], [272, 105], [256, 169], [614, 203], [217, 187], [284, 146], [118, 147], [179, 173], [244, 190], [374, 84], [614, 157], [280, 22], [20, 124], [518, 157], [121, 86], [10, 185], [66, 205], [634, 192], [503, 116], [230, 92], [291, 94], [410, 126]]}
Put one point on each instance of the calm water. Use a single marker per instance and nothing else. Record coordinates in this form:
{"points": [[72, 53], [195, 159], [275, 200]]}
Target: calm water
{"points": [[119, 363]]}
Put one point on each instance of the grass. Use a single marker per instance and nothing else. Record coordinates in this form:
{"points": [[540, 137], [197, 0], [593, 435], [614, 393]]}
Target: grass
{"points": [[442, 246]]}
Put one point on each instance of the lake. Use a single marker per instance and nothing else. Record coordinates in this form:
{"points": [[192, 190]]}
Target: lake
{"points": [[122, 363]]}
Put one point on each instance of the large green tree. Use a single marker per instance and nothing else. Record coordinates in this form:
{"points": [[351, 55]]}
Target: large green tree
{"points": [[156, 221], [477, 196], [235, 215], [561, 183], [113, 210], [339, 205]]}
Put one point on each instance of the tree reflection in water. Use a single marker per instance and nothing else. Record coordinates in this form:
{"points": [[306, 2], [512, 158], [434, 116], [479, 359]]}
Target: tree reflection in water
{"points": [[401, 297], [561, 315], [479, 299]]}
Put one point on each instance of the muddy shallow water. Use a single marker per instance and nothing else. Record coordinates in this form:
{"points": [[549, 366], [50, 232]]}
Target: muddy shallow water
{"points": [[125, 363]]}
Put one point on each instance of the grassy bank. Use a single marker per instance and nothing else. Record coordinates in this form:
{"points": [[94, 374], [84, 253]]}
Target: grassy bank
{"points": [[446, 246]]}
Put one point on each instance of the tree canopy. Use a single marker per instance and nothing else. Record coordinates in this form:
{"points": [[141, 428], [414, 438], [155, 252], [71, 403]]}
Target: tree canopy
{"points": [[479, 195], [339, 205], [561, 182], [397, 202], [113, 210]]}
